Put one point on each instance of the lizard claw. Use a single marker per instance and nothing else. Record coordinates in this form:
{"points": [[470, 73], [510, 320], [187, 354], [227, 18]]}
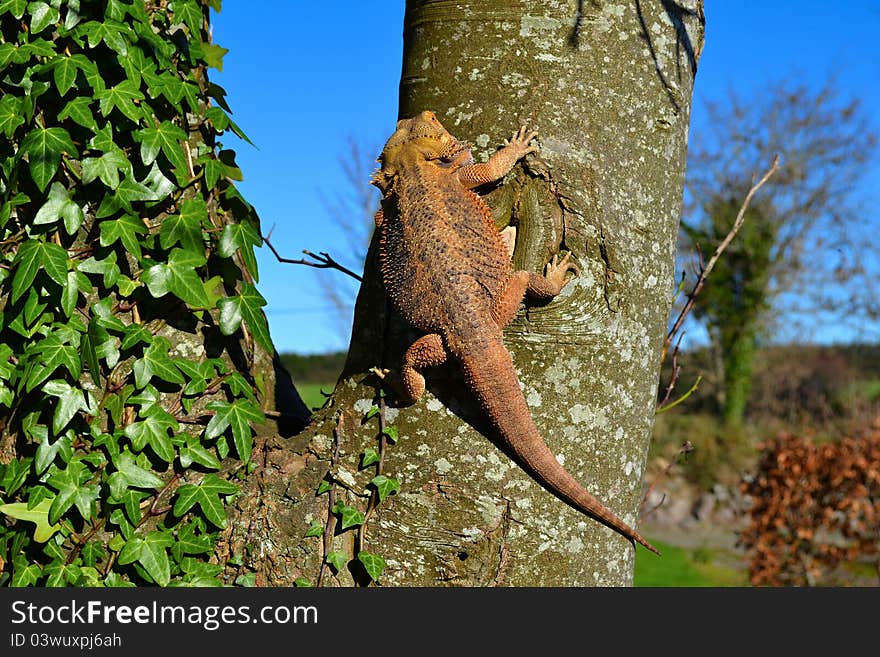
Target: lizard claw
{"points": [[521, 141], [556, 270], [380, 372]]}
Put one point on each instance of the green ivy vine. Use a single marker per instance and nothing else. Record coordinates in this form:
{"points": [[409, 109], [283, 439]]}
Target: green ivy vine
{"points": [[341, 517], [128, 313]]}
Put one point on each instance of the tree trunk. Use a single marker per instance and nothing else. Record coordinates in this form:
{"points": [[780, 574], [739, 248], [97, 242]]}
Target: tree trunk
{"points": [[739, 356], [609, 89]]}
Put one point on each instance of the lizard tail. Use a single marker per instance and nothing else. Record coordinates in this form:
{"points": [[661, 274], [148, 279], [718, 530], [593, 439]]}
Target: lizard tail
{"points": [[490, 373]]}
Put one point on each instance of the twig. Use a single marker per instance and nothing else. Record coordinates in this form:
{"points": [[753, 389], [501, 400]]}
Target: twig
{"points": [[321, 261], [685, 449], [691, 390], [707, 269], [676, 370]]}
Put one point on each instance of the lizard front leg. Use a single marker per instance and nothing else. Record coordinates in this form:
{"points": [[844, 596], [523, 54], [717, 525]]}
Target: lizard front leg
{"points": [[538, 287], [500, 163]]}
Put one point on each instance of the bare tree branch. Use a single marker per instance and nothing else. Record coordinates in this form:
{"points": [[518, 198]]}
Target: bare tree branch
{"points": [[706, 269], [321, 260]]}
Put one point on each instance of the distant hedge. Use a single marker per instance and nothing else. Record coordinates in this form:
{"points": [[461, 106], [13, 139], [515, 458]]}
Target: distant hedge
{"points": [[315, 368]]}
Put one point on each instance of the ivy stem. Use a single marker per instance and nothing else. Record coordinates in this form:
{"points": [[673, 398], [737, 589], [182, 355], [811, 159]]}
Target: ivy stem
{"points": [[330, 525], [374, 494], [82, 540], [154, 511]]}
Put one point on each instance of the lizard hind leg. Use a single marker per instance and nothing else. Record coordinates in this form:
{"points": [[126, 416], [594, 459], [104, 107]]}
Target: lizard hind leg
{"points": [[427, 351]]}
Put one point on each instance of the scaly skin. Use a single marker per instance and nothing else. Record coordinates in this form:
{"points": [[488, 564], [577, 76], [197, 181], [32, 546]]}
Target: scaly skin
{"points": [[448, 273]]}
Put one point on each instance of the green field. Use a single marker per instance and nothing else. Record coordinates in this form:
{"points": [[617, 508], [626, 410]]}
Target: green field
{"points": [[311, 393], [684, 567]]}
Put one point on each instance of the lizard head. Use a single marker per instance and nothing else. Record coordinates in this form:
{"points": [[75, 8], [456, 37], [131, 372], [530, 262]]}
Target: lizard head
{"points": [[432, 140]]}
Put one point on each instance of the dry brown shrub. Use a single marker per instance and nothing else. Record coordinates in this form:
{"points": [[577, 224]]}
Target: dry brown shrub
{"points": [[814, 509]]}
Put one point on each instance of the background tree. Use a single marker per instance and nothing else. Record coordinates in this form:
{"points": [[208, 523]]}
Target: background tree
{"points": [[463, 513], [771, 275]]}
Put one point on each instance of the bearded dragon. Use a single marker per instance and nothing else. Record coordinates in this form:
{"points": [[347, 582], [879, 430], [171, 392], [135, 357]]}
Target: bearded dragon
{"points": [[449, 275]]}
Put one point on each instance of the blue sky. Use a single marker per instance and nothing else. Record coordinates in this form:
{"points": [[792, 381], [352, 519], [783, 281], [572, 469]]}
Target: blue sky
{"points": [[303, 78]]}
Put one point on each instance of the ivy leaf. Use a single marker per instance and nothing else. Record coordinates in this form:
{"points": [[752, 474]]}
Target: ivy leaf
{"points": [[51, 353], [135, 334], [189, 543], [42, 16], [166, 137], [190, 14], [126, 230], [323, 487], [25, 574], [156, 362], [71, 491], [79, 111], [212, 169], [241, 237], [70, 401], [106, 168], [302, 583], [134, 475], [315, 529], [14, 7], [108, 31], [373, 564], [391, 433], [151, 553], [44, 147], [337, 560], [14, 474], [103, 315], [195, 452], [156, 279], [212, 55], [230, 315], [93, 552], [247, 306], [206, 494], [121, 97], [349, 515], [370, 457], [246, 579], [61, 574], [239, 414], [64, 71], [183, 281], [47, 451], [98, 343], [106, 267], [32, 255], [39, 515], [59, 205], [10, 114], [184, 228], [227, 157], [385, 486], [153, 430]]}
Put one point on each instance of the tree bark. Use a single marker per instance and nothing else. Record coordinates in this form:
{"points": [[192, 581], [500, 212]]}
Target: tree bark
{"points": [[609, 89]]}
